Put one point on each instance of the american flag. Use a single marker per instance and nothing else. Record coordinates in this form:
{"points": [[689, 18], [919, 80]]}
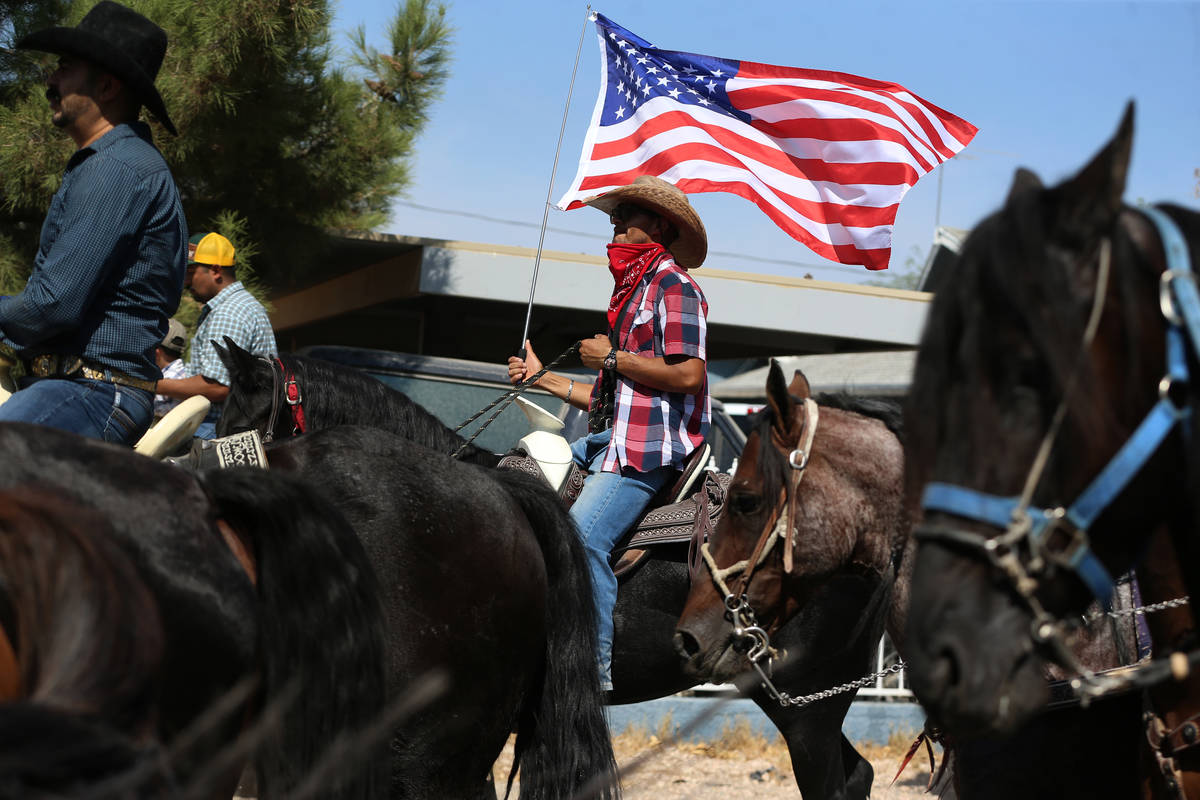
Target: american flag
{"points": [[826, 155]]}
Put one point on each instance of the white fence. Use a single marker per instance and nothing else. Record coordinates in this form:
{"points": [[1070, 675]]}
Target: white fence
{"points": [[888, 687], [891, 687]]}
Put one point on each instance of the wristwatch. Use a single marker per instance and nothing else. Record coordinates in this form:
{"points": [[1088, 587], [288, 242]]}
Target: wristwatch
{"points": [[610, 360]]}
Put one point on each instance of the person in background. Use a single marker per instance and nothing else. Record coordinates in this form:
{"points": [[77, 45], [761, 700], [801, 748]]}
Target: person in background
{"points": [[649, 408], [229, 310], [169, 357], [110, 262]]}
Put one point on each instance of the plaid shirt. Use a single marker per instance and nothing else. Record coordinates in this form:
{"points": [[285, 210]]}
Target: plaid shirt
{"points": [[234, 313], [110, 263], [652, 428]]}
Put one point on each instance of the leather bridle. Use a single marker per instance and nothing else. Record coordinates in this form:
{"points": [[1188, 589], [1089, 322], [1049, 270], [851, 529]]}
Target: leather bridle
{"points": [[780, 528], [281, 376], [1034, 541]]}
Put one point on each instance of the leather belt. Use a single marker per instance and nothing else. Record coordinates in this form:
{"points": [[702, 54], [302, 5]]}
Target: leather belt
{"points": [[52, 365]]}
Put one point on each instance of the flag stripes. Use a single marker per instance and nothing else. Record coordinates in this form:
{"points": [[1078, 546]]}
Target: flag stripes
{"points": [[827, 156]]}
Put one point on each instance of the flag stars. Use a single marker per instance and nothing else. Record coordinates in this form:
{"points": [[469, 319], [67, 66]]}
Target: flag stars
{"points": [[716, 73], [663, 81], [653, 70], [620, 112], [674, 94], [712, 86]]}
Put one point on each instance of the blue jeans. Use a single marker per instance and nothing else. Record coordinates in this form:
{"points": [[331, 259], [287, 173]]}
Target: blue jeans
{"points": [[609, 504], [96, 409], [207, 429]]}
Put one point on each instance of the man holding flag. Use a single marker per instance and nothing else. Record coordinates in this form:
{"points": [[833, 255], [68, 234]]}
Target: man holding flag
{"points": [[826, 155], [649, 408]]}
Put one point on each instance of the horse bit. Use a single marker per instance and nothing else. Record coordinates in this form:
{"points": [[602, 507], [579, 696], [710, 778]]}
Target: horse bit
{"points": [[1057, 537]]}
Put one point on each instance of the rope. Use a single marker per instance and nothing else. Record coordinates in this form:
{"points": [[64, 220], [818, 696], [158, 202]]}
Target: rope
{"points": [[505, 399], [1089, 333]]}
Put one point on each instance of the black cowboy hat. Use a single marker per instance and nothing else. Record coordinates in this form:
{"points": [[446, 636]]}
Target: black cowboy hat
{"points": [[119, 40]]}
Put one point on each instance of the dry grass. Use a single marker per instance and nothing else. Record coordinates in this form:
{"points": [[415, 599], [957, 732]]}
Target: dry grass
{"points": [[639, 750]]}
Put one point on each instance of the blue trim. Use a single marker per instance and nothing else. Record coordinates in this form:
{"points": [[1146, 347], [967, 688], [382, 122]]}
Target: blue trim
{"points": [[969, 504]]}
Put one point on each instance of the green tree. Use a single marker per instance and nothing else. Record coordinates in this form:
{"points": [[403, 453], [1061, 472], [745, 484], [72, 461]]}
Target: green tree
{"points": [[907, 276], [278, 143]]}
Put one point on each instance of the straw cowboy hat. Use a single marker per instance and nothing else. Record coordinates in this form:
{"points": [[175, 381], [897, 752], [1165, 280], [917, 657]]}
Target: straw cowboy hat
{"points": [[120, 41], [661, 197]]}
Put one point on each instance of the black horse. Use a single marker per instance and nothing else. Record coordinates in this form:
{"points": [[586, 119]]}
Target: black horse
{"points": [[1040, 358], [484, 591], [649, 601], [144, 620]]}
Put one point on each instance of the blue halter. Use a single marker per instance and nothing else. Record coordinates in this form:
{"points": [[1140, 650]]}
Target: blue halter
{"points": [[1060, 535]]}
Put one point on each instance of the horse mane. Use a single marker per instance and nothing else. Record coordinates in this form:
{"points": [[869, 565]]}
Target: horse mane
{"points": [[363, 400], [773, 466], [1013, 274], [89, 642]]}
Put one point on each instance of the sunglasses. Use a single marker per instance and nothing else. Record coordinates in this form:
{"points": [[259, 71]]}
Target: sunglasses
{"points": [[624, 212]]}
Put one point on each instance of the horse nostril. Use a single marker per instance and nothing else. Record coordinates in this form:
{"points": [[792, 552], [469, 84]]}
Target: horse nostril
{"points": [[944, 669], [686, 645]]}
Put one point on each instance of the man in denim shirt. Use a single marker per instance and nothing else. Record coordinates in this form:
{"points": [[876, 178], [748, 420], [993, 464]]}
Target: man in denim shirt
{"points": [[110, 264]]}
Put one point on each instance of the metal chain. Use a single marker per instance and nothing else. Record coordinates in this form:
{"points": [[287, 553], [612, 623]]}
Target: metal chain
{"points": [[1178, 602], [786, 700]]}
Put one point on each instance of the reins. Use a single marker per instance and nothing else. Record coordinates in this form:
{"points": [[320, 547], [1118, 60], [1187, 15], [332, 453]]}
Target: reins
{"points": [[504, 400]]}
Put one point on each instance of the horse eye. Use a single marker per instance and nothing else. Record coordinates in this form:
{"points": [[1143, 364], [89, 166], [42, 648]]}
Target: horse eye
{"points": [[745, 503]]}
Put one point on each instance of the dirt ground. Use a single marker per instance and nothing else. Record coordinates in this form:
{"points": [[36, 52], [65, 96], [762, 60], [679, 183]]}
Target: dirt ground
{"points": [[740, 765]]}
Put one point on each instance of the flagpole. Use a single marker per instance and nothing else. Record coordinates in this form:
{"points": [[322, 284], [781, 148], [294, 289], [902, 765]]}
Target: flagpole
{"points": [[537, 259]]}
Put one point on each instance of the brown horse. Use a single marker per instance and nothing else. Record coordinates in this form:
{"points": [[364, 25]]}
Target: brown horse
{"points": [[1052, 440], [817, 500], [826, 481]]}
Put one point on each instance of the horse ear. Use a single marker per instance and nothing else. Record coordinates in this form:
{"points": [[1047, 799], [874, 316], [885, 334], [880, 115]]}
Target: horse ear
{"points": [[799, 386], [240, 363], [779, 399], [1023, 181], [1088, 204]]}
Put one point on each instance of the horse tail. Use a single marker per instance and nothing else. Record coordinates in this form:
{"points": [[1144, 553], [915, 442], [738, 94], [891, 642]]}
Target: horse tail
{"points": [[320, 628], [563, 743]]}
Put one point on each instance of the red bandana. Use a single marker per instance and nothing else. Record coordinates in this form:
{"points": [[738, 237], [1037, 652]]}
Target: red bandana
{"points": [[628, 264]]}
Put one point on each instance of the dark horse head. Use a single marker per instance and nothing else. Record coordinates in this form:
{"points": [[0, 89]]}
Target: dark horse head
{"points": [[329, 394], [1042, 353], [781, 541]]}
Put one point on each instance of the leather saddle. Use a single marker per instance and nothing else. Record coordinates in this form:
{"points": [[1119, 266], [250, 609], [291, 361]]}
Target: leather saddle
{"points": [[683, 512]]}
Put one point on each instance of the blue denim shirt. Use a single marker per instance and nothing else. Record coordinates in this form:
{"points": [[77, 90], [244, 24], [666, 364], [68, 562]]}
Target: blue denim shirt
{"points": [[110, 265]]}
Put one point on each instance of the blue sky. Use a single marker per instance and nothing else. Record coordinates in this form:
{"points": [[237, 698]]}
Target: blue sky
{"points": [[1045, 83]]}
